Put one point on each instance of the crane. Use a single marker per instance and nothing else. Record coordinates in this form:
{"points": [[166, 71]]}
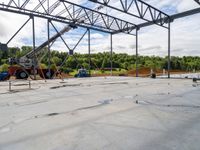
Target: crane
{"points": [[28, 65], [27, 62]]}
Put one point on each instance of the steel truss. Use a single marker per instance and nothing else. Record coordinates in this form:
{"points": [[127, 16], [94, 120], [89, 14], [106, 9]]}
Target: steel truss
{"points": [[71, 50], [172, 18], [143, 10], [198, 1], [71, 13], [76, 15]]}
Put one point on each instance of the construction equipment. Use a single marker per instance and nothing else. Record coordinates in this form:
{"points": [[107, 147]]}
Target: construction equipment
{"points": [[195, 79], [28, 65], [82, 73], [4, 76]]}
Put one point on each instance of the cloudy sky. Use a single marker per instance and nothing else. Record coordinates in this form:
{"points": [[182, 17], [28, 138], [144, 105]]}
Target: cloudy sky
{"points": [[152, 40]]}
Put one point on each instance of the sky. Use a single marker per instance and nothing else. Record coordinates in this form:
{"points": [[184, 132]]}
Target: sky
{"points": [[153, 40]]}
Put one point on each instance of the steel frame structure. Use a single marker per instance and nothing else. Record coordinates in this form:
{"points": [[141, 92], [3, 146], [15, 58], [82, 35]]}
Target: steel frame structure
{"points": [[71, 13], [93, 19], [198, 1], [143, 10]]}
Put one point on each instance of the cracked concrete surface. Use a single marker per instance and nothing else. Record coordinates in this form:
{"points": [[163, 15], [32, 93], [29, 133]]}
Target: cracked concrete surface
{"points": [[103, 113]]}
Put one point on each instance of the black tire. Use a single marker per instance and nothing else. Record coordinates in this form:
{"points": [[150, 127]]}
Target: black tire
{"points": [[21, 75], [153, 75], [194, 79]]}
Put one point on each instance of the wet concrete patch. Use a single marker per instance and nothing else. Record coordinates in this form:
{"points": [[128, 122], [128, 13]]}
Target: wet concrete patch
{"points": [[167, 105], [66, 85], [117, 83], [53, 114], [9, 126], [91, 115], [63, 82], [108, 101], [102, 103], [196, 84]]}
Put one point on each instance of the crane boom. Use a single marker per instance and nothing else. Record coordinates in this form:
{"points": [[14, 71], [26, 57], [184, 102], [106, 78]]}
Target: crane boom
{"points": [[66, 29], [43, 45], [27, 64]]}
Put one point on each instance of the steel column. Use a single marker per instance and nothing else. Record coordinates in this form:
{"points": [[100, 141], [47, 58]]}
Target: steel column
{"points": [[33, 28], [49, 50], [169, 49], [111, 54], [89, 50], [136, 47]]}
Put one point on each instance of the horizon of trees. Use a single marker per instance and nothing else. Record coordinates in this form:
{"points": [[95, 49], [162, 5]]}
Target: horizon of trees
{"points": [[102, 60]]}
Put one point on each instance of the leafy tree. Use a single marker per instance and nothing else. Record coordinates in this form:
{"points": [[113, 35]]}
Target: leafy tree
{"points": [[4, 67], [43, 66], [86, 65], [25, 50], [102, 60], [57, 61]]}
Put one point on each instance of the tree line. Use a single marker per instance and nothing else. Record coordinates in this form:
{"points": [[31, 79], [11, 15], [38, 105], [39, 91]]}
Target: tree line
{"points": [[102, 60]]}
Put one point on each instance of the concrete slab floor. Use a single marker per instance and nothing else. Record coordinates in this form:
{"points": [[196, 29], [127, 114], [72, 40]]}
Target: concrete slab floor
{"points": [[103, 113]]}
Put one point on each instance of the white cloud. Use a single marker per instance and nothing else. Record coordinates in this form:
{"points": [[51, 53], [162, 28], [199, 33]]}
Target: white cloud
{"points": [[185, 5], [152, 40]]}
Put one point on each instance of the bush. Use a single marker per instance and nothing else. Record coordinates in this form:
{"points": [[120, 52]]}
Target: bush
{"points": [[4, 67], [86, 66], [43, 66], [53, 67], [66, 70]]}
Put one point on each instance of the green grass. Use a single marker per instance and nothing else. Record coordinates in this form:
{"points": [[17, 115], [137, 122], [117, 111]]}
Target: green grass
{"points": [[99, 72]]}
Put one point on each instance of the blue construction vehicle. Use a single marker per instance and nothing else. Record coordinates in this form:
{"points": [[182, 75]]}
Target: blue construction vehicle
{"points": [[82, 73], [4, 76]]}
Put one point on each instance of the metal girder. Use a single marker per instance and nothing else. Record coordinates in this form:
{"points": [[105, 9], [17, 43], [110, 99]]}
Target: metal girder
{"points": [[12, 1], [185, 14], [139, 9], [198, 1], [72, 13], [49, 17], [95, 18], [172, 18], [24, 4]]}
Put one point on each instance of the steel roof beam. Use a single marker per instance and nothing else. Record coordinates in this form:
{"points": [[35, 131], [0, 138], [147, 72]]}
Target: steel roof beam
{"points": [[96, 18], [172, 18], [143, 10], [76, 14], [49, 17], [198, 1]]}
